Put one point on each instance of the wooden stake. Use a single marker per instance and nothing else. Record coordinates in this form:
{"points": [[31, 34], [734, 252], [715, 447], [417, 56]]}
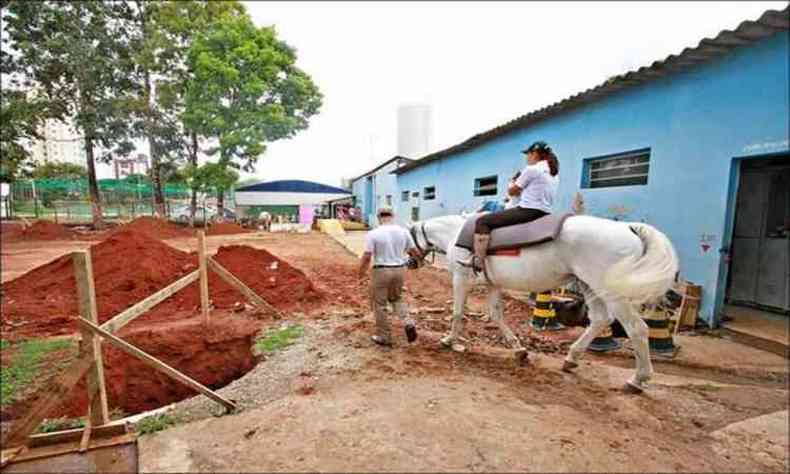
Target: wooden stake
{"points": [[129, 314], [203, 276], [58, 390], [239, 285], [86, 434], [86, 295], [157, 364]]}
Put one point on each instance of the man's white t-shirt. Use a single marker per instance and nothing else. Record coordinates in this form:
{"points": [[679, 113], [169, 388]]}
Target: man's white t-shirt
{"points": [[388, 244], [539, 187]]}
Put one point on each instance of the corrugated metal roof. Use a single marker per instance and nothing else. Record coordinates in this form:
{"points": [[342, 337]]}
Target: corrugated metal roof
{"points": [[397, 157], [748, 32], [292, 186]]}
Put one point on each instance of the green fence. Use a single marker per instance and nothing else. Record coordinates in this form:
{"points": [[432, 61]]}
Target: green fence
{"points": [[67, 199]]}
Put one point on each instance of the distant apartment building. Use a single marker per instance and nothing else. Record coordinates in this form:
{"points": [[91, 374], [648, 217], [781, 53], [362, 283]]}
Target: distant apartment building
{"points": [[127, 166]]}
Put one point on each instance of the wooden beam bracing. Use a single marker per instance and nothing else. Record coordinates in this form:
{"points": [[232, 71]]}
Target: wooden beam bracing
{"points": [[86, 297], [232, 280], [203, 276], [129, 314], [157, 364]]}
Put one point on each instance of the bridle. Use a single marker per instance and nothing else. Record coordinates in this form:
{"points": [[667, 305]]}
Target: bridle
{"points": [[430, 248]]}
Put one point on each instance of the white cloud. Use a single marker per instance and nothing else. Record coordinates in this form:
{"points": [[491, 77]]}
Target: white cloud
{"points": [[477, 64]]}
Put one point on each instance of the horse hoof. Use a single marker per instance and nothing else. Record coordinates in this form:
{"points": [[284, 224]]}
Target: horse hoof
{"points": [[446, 342], [568, 366], [632, 389], [521, 356]]}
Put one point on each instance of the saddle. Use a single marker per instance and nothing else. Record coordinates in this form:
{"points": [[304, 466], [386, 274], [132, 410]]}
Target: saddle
{"points": [[516, 236]]}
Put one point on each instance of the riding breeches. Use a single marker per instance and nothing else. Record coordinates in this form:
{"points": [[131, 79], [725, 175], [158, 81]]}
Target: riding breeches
{"points": [[515, 215]]}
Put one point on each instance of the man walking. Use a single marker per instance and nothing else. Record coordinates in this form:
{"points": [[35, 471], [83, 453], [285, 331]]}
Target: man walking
{"points": [[387, 246]]}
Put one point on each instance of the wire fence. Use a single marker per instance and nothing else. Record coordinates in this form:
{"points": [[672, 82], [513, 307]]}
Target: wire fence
{"points": [[67, 200]]}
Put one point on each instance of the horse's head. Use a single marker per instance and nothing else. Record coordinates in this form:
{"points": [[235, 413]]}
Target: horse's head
{"points": [[434, 236]]}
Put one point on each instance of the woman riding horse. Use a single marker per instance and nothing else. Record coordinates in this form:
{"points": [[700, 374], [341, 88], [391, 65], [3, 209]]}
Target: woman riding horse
{"points": [[535, 188]]}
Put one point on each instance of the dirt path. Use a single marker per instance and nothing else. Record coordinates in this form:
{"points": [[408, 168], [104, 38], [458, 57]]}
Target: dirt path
{"points": [[349, 406]]}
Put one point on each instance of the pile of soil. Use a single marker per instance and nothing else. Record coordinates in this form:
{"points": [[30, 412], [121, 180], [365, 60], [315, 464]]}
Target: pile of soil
{"points": [[10, 231], [128, 267], [226, 228], [285, 287], [154, 228], [39, 230]]}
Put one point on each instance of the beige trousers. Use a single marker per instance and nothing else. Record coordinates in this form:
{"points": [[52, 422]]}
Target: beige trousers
{"points": [[386, 285]]}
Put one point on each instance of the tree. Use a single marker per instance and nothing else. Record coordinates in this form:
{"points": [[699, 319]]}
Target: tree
{"points": [[164, 33], [245, 91], [211, 178], [58, 170], [21, 119], [77, 56]]}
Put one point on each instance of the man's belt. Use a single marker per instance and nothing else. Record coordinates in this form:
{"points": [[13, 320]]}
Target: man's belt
{"points": [[388, 266]]}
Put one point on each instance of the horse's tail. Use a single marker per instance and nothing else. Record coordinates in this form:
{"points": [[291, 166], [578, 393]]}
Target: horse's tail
{"points": [[647, 277]]}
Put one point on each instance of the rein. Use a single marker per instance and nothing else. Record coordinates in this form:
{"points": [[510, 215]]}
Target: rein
{"points": [[430, 249]]}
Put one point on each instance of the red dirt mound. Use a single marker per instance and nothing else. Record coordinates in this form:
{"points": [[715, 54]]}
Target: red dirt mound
{"points": [[10, 231], [285, 287], [154, 228], [127, 267], [226, 228], [39, 230]]}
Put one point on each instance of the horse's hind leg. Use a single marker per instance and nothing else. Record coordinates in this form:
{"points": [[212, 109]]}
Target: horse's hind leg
{"points": [[496, 310], [599, 319], [460, 292], [637, 331]]}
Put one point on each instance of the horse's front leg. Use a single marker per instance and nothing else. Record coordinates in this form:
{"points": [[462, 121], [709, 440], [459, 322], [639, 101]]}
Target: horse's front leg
{"points": [[496, 310], [460, 291]]}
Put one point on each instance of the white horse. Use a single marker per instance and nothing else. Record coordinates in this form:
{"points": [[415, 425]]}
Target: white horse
{"points": [[619, 265]]}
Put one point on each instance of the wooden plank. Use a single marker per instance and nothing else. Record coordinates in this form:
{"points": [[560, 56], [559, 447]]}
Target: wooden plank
{"points": [[86, 433], [7, 455], [239, 285], [86, 297], [128, 315], [68, 436], [58, 390], [157, 364], [203, 276]]}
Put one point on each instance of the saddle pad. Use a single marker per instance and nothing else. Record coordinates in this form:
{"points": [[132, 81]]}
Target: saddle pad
{"points": [[506, 253], [515, 236]]}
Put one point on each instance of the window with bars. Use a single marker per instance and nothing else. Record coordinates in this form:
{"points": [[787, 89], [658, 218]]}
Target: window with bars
{"points": [[623, 169], [486, 186], [429, 193], [389, 200], [404, 196]]}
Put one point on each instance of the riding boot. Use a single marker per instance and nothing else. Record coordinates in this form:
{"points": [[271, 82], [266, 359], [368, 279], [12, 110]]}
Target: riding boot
{"points": [[481, 251]]}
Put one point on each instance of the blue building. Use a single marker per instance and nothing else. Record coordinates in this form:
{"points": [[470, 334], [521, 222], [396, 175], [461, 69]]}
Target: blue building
{"points": [[696, 144], [377, 187]]}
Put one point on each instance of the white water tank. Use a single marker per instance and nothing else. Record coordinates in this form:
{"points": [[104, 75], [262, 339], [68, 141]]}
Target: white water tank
{"points": [[415, 130]]}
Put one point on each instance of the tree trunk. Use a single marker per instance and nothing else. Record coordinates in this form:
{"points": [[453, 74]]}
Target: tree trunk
{"points": [[156, 169], [193, 160], [220, 206], [93, 187]]}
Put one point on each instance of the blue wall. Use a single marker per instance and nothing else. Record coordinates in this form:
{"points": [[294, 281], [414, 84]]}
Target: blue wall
{"points": [[698, 124], [384, 183]]}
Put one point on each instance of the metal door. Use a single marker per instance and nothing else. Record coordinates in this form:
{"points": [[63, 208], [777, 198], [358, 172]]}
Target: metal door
{"points": [[760, 269]]}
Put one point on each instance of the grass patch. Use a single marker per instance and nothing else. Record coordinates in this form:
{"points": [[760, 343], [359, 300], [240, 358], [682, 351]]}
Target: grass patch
{"points": [[4, 344], [25, 365], [278, 339], [60, 424], [152, 424]]}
